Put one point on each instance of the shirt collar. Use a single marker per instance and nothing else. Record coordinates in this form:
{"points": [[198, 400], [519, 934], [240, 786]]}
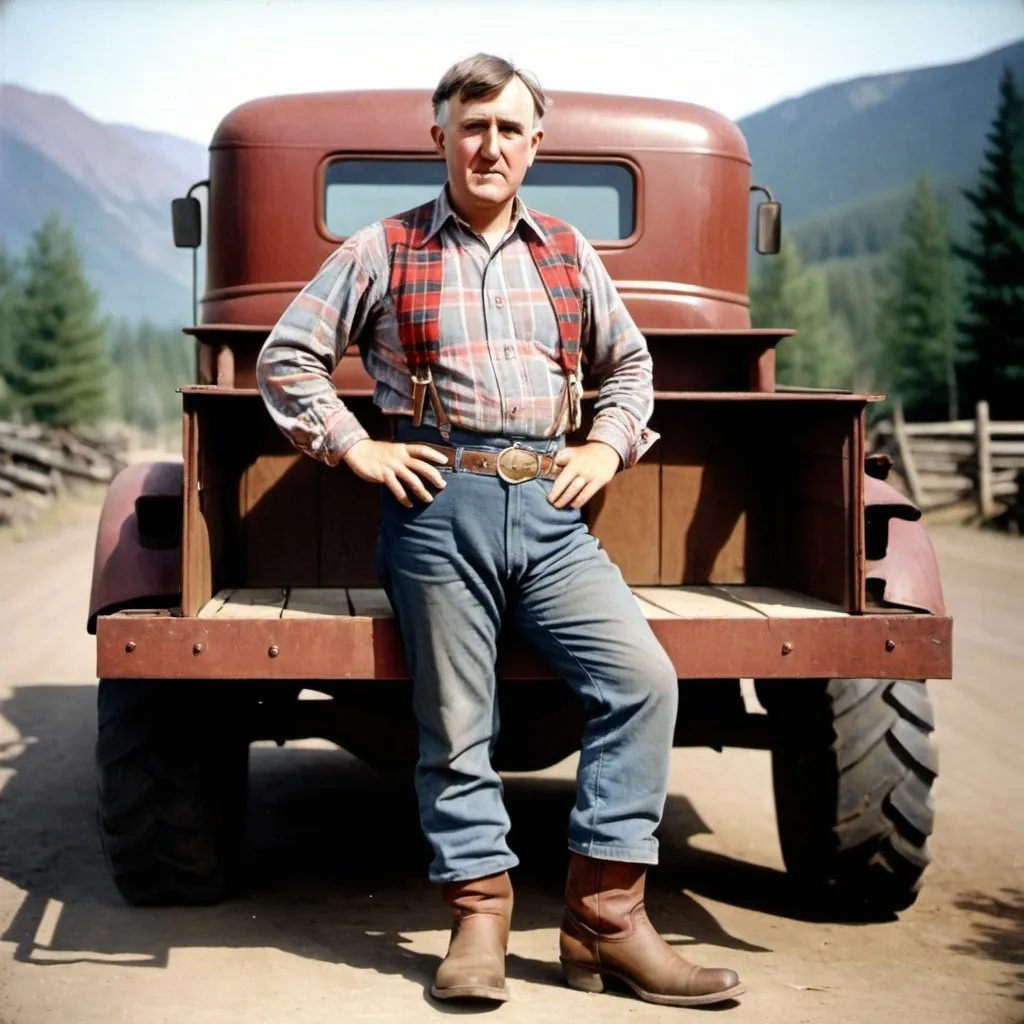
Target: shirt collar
{"points": [[443, 211]]}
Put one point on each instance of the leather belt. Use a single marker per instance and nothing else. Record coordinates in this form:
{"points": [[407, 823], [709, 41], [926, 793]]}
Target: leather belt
{"points": [[514, 465]]}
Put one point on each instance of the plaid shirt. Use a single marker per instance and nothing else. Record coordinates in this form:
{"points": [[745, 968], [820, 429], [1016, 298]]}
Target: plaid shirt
{"points": [[498, 372]]}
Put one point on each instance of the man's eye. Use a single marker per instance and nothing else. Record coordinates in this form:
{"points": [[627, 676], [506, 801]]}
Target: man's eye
{"points": [[509, 130]]}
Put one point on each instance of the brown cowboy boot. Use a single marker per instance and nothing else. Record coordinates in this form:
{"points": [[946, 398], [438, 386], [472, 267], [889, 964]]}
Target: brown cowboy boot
{"points": [[474, 967], [606, 933]]}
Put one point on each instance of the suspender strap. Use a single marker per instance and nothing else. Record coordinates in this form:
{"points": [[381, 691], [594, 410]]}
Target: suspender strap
{"points": [[417, 277]]}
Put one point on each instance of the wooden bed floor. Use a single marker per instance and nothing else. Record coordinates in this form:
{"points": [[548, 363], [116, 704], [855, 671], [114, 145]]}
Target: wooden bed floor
{"points": [[688, 602]]}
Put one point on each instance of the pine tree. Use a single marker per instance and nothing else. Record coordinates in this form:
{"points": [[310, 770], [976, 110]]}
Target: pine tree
{"points": [[61, 369], [8, 311], [786, 295], [993, 323], [915, 320]]}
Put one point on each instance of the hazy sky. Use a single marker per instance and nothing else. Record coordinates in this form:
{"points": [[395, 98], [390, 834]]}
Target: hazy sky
{"points": [[180, 65]]}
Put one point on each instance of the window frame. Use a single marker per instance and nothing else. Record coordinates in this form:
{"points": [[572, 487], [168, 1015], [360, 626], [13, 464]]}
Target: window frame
{"points": [[320, 188]]}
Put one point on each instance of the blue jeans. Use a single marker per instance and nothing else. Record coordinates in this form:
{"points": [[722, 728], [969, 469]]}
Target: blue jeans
{"points": [[483, 551]]}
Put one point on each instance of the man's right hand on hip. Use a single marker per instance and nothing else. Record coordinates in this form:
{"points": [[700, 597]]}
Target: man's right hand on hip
{"points": [[397, 466]]}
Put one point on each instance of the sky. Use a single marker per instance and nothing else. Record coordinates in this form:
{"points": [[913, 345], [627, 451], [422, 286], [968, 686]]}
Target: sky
{"points": [[179, 65]]}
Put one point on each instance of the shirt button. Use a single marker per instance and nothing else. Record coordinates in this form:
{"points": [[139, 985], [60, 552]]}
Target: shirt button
{"points": [[513, 409], [499, 301]]}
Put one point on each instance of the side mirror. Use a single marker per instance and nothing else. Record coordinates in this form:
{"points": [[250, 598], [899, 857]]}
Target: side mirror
{"points": [[187, 223], [769, 224]]}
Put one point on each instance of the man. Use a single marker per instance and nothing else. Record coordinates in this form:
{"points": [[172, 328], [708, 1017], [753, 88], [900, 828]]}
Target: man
{"points": [[472, 314]]}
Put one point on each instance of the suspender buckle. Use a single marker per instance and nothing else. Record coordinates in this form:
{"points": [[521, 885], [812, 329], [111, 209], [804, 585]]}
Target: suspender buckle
{"points": [[423, 385]]}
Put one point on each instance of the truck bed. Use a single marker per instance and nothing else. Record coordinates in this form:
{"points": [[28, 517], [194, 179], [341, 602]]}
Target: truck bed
{"points": [[709, 602], [732, 631]]}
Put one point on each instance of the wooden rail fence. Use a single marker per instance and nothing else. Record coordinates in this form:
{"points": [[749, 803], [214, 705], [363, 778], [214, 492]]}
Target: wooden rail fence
{"points": [[979, 461]]}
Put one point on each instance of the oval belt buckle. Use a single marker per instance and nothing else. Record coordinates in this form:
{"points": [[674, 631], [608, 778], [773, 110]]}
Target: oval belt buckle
{"points": [[516, 465]]}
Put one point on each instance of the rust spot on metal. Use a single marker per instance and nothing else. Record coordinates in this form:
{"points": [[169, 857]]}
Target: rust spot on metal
{"points": [[273, 651], [787, 648], [890, 645], [197, 648], [129, 647]]}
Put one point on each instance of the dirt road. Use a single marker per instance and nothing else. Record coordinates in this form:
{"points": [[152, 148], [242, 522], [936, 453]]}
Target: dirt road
{"points": [[340, 926]]}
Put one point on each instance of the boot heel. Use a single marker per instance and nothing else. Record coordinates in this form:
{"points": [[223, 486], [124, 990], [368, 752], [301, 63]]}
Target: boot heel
{"points": [[582, 978]]}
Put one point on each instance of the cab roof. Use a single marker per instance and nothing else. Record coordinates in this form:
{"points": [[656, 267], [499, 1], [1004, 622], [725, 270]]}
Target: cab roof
{"points": [[399, 120]]}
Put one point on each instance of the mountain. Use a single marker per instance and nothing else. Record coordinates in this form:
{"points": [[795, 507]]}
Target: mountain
{"points": [[113, 185], [846, 143], [184, 155], [842, 159]]}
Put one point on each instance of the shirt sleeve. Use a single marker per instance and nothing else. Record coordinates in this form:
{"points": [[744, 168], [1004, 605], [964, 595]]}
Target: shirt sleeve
{"points": [[294, 367], [621, 361]]}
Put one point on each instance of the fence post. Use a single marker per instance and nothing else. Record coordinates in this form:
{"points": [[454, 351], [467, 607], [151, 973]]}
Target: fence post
{"points": [[899, 429], [983, 447]]}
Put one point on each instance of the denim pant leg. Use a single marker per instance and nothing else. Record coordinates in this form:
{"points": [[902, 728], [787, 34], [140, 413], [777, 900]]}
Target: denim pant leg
{"points": [[574, 606], [442, 565]]}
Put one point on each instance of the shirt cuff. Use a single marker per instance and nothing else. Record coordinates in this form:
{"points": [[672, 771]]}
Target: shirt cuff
{"points": [[341, 433], [630, 447]]}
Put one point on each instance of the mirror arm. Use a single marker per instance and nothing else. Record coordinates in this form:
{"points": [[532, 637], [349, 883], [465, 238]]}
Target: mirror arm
{"points": [[205, 183]]}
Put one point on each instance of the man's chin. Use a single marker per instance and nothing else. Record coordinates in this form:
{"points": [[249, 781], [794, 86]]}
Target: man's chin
{"points": [[495, 193]]}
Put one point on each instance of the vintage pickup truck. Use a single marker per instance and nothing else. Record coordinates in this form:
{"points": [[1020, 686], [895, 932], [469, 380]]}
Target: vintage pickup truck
{"points": [[758, 538]]}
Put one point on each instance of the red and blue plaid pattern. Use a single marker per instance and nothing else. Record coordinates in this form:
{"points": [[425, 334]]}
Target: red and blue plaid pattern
{"points": [[417, 277], [501, 347]]}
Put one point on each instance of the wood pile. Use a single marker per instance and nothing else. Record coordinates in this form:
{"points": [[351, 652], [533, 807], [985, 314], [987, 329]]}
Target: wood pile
{"points": [[40, 464]]}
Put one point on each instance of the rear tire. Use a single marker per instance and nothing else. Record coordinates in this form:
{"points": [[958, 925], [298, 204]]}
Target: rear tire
{"points": [[853, 764], [171, 781]]}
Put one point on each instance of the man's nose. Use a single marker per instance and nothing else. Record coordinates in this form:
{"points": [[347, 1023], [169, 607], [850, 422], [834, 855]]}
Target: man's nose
{"points": [[489, 145]]}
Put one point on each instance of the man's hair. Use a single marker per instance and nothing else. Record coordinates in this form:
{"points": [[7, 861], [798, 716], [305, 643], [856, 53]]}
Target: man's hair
{"points": [[479, 77]]}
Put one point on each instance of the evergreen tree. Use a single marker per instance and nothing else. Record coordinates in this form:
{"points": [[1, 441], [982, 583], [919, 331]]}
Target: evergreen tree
{"points": [[915, 323], [8, 312], [993, 323], [61, 369], [786, 295], [150, 364]]}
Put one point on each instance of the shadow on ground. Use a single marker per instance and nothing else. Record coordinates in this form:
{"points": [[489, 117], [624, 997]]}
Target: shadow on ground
{"points": [[997, 931], [336, 862]]}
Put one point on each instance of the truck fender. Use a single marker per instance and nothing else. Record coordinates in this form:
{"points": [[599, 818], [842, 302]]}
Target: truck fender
{"points": [[137, 563], [902, 569]]}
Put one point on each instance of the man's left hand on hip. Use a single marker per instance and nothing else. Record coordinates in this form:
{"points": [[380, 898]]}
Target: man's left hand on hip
{"points": [[585, 470]]}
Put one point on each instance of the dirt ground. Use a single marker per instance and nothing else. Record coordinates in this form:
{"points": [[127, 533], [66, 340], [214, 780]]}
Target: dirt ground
{"points": [[339, 924]]}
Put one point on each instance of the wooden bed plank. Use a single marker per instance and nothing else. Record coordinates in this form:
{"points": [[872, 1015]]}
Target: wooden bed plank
{"points": [[254, 603], [370, 601], [214, 605], [315, 602], [783, 604], [696, 602], [652, 611]]}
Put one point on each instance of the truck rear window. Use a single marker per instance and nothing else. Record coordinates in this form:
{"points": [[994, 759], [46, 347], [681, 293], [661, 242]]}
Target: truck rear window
{"points": [[597, 198]]}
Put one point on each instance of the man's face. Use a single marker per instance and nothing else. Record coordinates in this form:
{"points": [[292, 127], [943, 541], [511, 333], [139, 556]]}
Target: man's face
{"points": [[488, 146]]}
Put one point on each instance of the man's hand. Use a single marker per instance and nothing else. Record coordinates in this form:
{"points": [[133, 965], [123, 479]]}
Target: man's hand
{"points": [[397, 466], [585, 470]]}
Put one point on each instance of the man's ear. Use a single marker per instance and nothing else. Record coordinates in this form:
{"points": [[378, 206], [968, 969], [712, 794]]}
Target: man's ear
{"points": [[534, 143], [437, 134]]}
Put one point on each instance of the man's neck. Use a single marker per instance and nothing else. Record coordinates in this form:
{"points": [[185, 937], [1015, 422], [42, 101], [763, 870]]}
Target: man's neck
{"points": [[490, 221]]}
